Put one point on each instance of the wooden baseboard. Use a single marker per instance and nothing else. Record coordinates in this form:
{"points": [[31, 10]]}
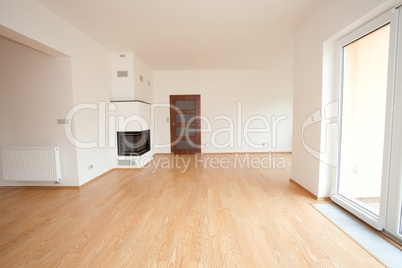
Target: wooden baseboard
{"points": [[310, 193], [126, 169], [246, 153], [96, 178], [40, 187], [57, 187], [231, 153], [327, 199]]}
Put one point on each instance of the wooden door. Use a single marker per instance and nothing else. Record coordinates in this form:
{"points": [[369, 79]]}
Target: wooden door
{"points": [[185, 124]]}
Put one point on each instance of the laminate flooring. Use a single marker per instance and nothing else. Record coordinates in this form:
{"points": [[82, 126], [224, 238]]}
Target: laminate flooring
{"points": [[219, 211]]}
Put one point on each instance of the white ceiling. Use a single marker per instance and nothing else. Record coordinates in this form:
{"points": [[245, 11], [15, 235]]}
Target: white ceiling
{"points": [[191, 34]]}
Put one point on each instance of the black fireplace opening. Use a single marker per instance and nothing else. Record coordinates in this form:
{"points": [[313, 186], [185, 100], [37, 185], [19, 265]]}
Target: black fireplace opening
{"points": [[133, 142]]}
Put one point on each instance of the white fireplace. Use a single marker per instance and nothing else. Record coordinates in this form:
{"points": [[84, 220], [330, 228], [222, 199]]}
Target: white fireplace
{"points": [[132, 134]]}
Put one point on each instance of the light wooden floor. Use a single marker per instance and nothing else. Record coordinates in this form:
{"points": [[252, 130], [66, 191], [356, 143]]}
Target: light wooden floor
{"points": [[234, 217]]}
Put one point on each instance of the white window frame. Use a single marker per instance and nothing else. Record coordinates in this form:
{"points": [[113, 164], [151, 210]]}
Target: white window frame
{"points": [[393, 225], [390, 17]]}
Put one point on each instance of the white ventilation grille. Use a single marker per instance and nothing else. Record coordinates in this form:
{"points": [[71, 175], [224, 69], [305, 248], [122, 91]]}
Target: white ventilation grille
{"points": [[122, 73]]}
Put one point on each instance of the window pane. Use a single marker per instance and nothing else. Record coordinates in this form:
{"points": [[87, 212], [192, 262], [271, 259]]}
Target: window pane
{"points": [[185, 104], [185, 131], [184, 118], [185, 144], [363, 118]]}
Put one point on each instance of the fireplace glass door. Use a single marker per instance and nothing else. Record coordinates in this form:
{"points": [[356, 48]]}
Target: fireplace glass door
{"points": [[133, 143]]}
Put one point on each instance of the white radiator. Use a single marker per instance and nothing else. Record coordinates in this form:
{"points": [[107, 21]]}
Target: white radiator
{"points": [[31, 164]]}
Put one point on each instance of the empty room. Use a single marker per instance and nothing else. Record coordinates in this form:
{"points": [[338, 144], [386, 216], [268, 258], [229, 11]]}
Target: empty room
{"points": [[197, 133]]}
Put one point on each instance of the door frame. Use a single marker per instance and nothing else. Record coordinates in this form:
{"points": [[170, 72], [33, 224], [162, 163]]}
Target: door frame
{"points": [[196, 124]]}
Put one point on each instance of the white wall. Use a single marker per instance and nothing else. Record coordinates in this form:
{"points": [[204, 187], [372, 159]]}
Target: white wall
{"points": [[327, 20], [143, 90], [123, 86], [31, 23], [131, 87], [35, 91], [265, 93]]}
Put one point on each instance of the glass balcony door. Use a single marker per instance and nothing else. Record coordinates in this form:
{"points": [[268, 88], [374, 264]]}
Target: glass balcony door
{"points": [[367, 101]]}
